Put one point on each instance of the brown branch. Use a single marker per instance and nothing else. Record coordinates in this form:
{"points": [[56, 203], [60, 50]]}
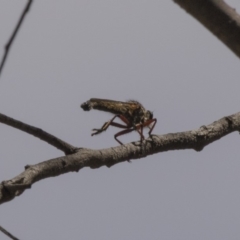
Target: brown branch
{"points": [[8, 233], [39, 133], [218, 17], [195, 139], [10, 41]]}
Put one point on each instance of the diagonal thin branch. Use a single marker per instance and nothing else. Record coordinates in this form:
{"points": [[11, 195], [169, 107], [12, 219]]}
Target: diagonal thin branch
{"points": [[218, 17], [10, 41], [194, 139], [39, 133], [7, 233]]}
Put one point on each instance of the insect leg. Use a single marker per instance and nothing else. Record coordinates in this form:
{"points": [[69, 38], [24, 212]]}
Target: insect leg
{"points": [[137, 127], [122, 133], [147, 123], [114, 124], [107, 124]]}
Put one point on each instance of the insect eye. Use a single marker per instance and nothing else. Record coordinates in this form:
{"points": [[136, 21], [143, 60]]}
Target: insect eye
{"points": [[150, 114]]}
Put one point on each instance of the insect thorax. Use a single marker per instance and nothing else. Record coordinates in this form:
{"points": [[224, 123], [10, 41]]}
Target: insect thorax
{"points": [[138, 115]]}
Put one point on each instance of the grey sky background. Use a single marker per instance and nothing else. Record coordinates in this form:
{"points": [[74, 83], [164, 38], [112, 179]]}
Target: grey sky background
{"points": [[151, 51]]}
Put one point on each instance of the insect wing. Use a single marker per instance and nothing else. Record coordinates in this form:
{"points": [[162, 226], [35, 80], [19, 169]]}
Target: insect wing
{"points": [[115, 107]]}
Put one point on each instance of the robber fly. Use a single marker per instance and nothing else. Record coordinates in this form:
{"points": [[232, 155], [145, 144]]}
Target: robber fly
{"points": [[132, 113]]}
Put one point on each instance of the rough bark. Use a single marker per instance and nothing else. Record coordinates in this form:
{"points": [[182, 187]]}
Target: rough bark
{"points": [[194, 139]]}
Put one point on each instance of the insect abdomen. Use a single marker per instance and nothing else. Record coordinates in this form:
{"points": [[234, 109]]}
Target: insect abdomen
{"points": [[86, 106], [111, 106]]}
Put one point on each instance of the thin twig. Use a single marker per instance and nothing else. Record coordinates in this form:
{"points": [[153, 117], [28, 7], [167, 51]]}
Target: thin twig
{"points": [[219, 18], [194, 139], [8, 233], [39, 133], [9, 43]]}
